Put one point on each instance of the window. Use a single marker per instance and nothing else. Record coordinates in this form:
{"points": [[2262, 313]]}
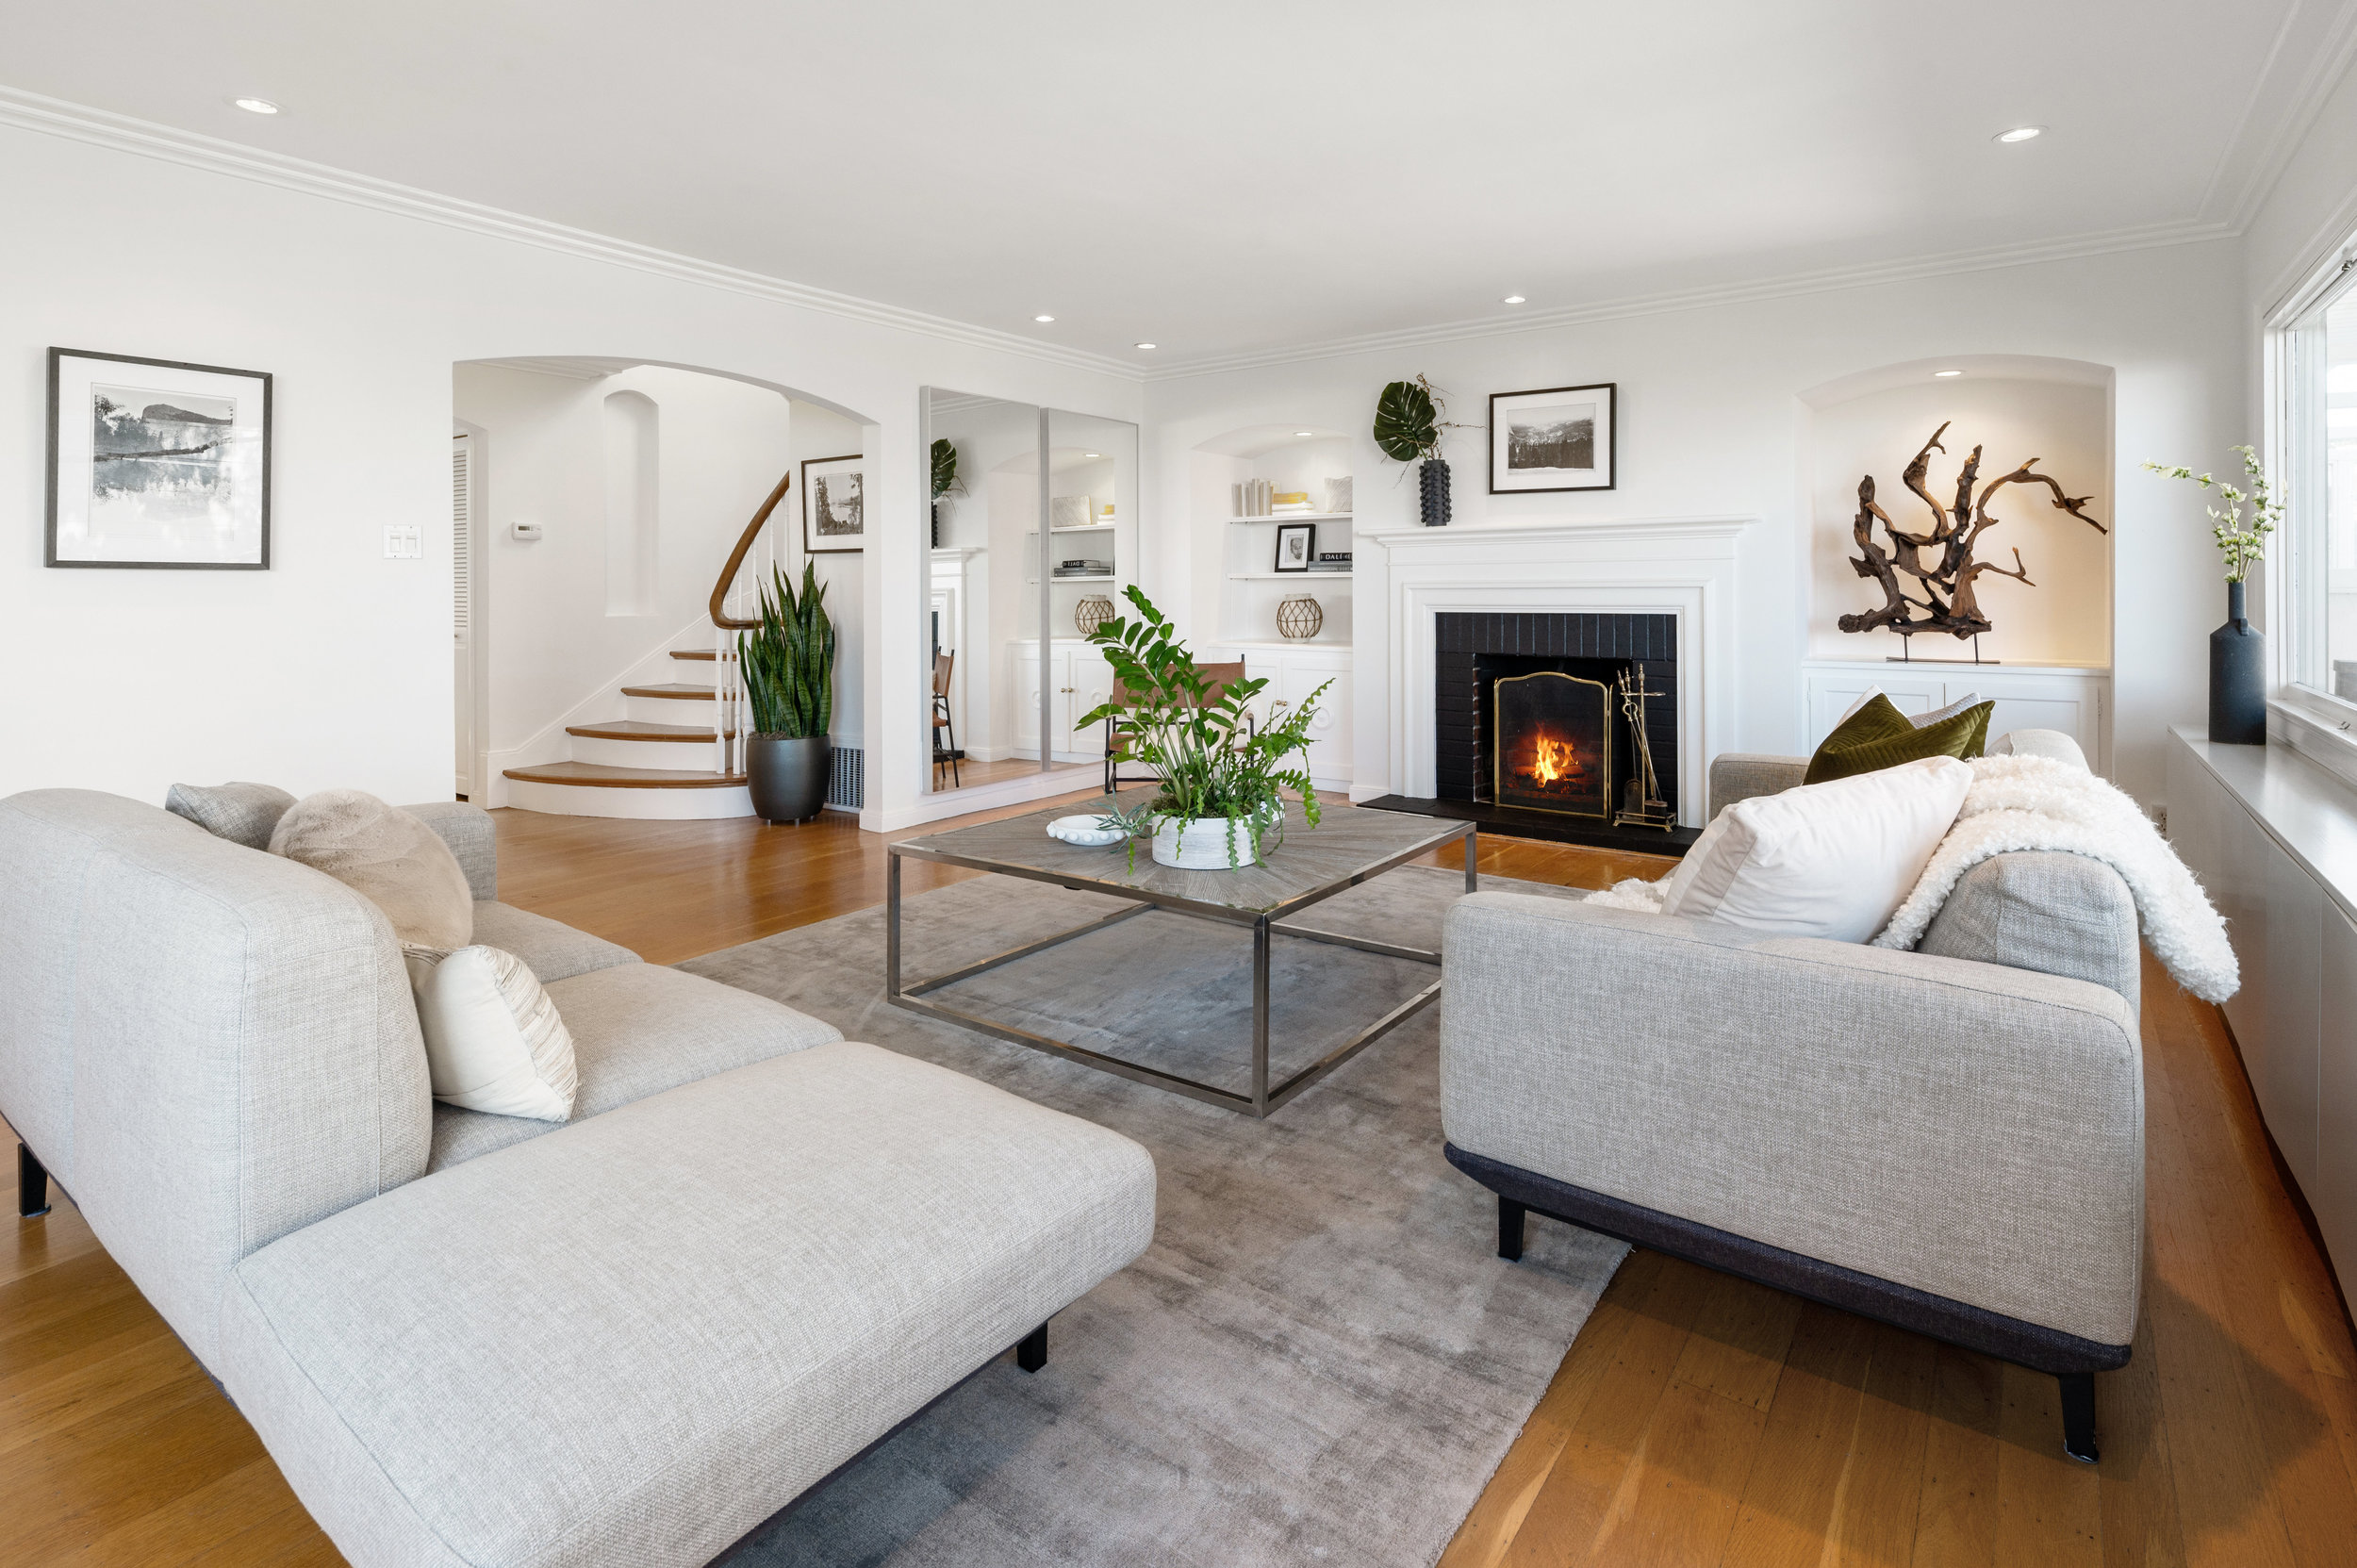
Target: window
{"points": [[2313, 607]]}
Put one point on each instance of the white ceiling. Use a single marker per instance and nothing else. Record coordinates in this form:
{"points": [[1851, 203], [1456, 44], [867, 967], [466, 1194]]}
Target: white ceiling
{"points": [[1221, 178]]}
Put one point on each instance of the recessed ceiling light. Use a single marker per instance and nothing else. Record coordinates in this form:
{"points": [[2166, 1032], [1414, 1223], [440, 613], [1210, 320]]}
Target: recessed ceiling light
{"points": [[1092, 455], [1144, 345], [1305, 432], [1514, 299], [2021, 133], [256, 105], [1043, 318], [1947, 372]]}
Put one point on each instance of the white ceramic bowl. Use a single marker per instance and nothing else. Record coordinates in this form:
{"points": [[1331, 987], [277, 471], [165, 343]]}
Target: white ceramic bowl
{"points": [[1084, 831]]}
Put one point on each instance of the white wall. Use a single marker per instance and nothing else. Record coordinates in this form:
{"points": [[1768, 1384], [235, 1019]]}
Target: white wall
{"points": [[333, 669], [820, 433], [1711, 422]]}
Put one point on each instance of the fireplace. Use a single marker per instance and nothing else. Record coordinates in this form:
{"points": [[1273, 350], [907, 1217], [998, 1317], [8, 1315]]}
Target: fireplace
{"points": [[1553, 746]]}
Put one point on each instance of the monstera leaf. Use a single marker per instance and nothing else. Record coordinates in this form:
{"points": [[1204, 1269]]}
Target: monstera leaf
{"points": [[1407, 425], [945, 466]]}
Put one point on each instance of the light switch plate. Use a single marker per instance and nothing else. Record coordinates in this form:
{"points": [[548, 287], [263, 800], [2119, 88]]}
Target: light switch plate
{"points": [[404, 541]]}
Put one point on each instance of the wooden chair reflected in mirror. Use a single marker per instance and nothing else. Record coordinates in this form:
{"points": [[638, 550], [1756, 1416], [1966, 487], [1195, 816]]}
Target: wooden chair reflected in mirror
{"points": [[950, 755], [1118, 731]]}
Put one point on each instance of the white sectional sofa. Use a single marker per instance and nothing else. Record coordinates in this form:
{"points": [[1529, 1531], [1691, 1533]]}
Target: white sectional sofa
{"points": [[475, 1340]]}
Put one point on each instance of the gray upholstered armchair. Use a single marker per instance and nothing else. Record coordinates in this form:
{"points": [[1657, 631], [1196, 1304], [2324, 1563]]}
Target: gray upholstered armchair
{"points": [[1950, 1139]]}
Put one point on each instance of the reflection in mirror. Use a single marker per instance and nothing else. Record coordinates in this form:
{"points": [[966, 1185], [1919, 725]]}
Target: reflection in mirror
{"points": [[985, 503], [1089, 559], [1009, 663]]}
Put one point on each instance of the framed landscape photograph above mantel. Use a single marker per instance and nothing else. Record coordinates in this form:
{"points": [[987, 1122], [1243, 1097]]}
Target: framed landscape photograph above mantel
{"points": [[1555, 438], [156, 462]]}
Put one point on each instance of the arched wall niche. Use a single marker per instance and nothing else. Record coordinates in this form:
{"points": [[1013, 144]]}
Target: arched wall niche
{"points": [[2015, 407]]}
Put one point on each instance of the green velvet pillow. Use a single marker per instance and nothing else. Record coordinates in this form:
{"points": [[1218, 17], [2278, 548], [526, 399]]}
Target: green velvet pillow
{"points": [[1878, 735]]}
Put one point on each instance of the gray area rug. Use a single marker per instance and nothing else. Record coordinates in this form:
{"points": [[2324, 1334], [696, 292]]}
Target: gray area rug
{"points": [[1320, 1359]]}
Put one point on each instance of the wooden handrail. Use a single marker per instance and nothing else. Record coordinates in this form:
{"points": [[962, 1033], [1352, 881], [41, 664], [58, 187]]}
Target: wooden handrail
{"points": [[736, 558]]}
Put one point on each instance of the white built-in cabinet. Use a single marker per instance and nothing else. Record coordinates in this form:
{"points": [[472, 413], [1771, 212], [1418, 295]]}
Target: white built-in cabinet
{"points": [[1293, 674], [2273, 839], [2028, 697], [1080, 681]]}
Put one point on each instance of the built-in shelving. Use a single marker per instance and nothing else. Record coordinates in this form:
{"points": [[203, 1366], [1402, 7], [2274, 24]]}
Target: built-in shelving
{"points": [[1297, 516], [1289, 577]]}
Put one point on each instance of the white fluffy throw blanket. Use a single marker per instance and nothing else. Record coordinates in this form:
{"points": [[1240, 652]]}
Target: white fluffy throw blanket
{"points": [[2039, 803]]}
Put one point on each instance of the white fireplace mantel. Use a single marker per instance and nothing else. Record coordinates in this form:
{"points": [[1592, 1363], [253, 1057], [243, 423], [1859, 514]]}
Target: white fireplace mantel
{"points": [[1682, 567]]}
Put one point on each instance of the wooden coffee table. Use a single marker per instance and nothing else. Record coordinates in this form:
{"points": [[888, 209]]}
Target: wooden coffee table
{"points": [[1310, 865]]}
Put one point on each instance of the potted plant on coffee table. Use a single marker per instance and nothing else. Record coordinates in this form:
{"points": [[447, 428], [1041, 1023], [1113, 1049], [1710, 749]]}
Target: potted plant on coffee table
{"points": [[1220, 805], [788, 665]]}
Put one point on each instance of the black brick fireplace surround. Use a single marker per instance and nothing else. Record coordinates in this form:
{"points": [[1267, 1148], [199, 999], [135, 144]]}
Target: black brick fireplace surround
{"points": [[1472, 651]]}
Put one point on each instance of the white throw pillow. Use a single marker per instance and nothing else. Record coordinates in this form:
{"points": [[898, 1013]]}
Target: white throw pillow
{"points": [[493, 1041], [1833, 860]]}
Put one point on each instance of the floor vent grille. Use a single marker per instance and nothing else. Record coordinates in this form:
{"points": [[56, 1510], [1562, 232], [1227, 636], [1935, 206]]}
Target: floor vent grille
{"points": [[847, 779]]}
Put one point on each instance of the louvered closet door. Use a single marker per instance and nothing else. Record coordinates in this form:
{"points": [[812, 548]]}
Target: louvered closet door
{"points": [[461, 608]]}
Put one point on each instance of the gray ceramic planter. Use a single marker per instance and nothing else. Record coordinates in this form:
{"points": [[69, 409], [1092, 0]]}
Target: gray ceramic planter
{"points": [[787, 775]]}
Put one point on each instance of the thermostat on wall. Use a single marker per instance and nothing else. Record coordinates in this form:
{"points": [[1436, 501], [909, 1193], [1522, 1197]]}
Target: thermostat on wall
{"points": [[529, 533]]}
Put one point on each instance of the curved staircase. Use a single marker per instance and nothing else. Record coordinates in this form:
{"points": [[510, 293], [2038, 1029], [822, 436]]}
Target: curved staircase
{"points": [[655, 763]]}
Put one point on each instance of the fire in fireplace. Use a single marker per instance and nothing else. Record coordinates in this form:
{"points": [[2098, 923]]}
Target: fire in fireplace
{"points": [[1554, 746]]}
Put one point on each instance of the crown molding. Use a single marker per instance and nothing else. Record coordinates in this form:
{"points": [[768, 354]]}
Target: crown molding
{"points": [[120, 133], [2327, 64], [2146, 236]]}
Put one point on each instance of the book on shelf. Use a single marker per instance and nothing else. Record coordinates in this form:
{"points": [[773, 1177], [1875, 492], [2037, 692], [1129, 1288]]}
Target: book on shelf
{"points": [[1341, 556], [1329, 567], [1290, 498]]}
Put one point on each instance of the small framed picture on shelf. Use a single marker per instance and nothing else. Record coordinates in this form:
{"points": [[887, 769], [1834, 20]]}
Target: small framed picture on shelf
{"points": [[1296, 546], [834, 519], [1556, 438], [157, 463]]}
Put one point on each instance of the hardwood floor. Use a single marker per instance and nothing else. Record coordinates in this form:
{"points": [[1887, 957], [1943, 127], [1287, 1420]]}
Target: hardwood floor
{"points": [[1697, 1420]]}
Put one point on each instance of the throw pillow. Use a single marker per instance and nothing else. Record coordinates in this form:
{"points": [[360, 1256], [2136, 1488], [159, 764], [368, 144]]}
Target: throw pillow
{"points": [[493, 1041], [240, 812], [1832, 860], [1879, 736], [386, 855]]}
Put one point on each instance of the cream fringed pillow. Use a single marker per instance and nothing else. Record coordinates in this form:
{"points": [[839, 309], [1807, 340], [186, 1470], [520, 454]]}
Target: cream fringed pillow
{"points": [[387, 856], [493, 1041]]}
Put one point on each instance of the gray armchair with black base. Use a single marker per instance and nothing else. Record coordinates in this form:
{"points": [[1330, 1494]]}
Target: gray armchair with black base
{"points": [[1118, 729], [1950, 1140]]}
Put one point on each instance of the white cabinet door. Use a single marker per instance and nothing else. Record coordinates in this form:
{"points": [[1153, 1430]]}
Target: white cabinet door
{"points": [[1329, 728], [1088, 682], [2240, 894], [1026, 699], [2294, 932], [2334, 1193]]}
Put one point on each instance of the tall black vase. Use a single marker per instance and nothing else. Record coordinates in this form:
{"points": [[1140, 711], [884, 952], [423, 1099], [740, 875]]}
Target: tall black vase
{"points": [[1432, 490], [2238, 697]]}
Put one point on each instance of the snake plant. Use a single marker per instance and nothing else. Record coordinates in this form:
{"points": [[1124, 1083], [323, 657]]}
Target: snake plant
{"points": [[788, 660]]}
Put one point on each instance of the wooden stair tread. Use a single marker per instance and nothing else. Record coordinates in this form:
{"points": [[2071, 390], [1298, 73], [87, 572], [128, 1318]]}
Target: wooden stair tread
{"points": [[641, 729], [604, 777], [669, 689], [691, 654]]}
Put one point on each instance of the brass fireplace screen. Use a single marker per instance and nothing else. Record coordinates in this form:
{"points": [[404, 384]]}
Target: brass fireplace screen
{"points": [[1551, 747]]}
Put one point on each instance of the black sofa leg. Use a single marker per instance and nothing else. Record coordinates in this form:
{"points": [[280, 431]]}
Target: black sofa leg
{"points": [[1030, 1351], [1509, 1229], [32, 1185], [2078, 1411]]}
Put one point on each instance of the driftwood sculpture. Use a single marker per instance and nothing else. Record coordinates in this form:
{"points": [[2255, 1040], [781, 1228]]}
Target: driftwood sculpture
{"points": [[1940, 566]]}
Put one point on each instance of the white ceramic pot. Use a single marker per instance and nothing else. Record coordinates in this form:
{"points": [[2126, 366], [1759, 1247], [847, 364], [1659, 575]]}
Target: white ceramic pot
{"points": [[1200, 843]]}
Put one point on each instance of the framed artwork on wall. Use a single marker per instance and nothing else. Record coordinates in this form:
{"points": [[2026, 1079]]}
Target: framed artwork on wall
{"points": [[1555, 438], [834, 513], [1296, 546], [158, 464]]}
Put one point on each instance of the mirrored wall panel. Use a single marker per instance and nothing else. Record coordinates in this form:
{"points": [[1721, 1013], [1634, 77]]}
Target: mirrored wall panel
{"points": [[1034, 533]]}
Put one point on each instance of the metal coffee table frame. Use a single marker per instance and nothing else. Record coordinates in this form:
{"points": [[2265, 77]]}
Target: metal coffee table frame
{"points": [[1263, 1098]]}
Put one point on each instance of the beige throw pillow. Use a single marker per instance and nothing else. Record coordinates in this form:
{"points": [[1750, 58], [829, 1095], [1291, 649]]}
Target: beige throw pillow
{"points": [[389, 857], [493, 1040]]}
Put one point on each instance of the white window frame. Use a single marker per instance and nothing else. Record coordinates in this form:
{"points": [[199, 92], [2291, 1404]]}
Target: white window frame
{"points": [[2297, 576]]}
